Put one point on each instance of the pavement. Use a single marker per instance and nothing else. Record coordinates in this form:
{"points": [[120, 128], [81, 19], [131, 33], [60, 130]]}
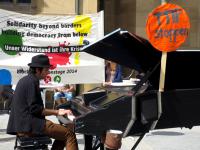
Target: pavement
{"points": [[168, 139]]}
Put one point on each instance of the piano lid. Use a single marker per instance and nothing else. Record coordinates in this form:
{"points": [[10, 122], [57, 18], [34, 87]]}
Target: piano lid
{"points": [[126, 49], [182, 70]]}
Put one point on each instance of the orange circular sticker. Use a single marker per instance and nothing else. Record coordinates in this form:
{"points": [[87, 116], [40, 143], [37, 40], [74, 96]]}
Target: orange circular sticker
{"points": [[167, 27]]}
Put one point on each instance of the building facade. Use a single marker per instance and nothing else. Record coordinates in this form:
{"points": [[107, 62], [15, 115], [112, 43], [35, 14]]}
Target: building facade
{"points": [[127, 14], [130, 15], [50, 7]]}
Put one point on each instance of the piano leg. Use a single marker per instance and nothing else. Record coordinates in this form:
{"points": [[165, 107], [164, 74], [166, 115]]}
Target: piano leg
{"points": [[88, 142], [93, 143], [138, 141], [97, 143]]}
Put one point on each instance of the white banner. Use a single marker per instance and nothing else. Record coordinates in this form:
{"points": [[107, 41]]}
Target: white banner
{"points": [[61, 38]]}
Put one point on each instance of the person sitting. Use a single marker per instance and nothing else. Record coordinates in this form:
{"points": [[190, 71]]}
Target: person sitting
{"points": [[64, 94], [113, 73], [7, 94], [27, 116]]}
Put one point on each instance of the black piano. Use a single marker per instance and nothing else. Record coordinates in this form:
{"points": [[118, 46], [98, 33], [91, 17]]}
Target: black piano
{"points": [[137, 113]]}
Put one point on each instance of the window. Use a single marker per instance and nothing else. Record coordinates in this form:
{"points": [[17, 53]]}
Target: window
{"points": [[6, 0], [23, 1], [17, 1]]}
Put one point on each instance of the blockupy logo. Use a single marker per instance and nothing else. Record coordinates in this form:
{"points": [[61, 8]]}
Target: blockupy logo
{"points": [[57, 79], [10, 37], [83, 31]]}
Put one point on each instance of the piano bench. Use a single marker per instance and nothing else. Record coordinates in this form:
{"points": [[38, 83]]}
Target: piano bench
{"points": [[32, 143]]}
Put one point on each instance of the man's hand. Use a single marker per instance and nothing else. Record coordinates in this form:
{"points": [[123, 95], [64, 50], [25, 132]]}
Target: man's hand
{"points": [[62, 112]]}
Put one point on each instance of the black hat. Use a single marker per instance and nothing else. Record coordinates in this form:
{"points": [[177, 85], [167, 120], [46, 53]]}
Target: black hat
{"points": [[40, 61]]}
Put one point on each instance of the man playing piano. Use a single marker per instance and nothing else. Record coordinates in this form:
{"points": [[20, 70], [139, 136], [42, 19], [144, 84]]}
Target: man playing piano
{"points": [[27, 117]]}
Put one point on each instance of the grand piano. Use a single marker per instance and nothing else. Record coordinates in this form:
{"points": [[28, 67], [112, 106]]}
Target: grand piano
{"points": [[135, 113]]}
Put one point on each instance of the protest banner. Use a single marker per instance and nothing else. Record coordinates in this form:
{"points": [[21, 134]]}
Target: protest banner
{"points": [[61, 38]]}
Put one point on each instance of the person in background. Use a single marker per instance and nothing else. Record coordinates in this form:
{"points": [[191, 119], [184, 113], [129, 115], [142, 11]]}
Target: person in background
{"points": [[63, 94], [6, 92], [66, 91], [27, 116], [113, 73]]}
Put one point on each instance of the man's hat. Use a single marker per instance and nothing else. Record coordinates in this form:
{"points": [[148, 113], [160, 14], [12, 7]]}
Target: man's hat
{"points": [[40, 61]]}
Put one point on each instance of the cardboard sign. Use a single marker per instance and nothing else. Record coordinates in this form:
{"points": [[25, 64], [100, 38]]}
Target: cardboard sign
{"points": [[167, 27]]}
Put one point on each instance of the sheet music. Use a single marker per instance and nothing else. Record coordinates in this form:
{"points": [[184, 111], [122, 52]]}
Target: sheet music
{"points": [[122, 84], [51, 85]]}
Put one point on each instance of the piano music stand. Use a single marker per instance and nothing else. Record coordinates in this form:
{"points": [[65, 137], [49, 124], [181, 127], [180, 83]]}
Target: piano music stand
{"points": [[135, 90]]}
